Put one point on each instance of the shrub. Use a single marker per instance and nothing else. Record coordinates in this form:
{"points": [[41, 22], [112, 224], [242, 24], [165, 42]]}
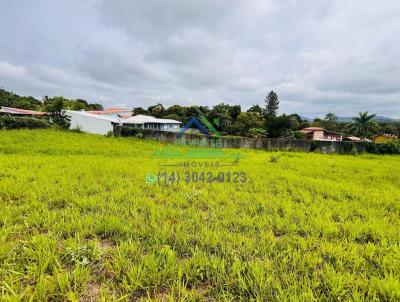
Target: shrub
{"points": [[257, 132], [274, 159], [385, 148], [13, 122], [291, 134], [129, 131], [299, 135]]}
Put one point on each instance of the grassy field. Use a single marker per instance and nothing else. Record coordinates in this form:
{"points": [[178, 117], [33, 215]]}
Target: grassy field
{"points": [[79, 223]]}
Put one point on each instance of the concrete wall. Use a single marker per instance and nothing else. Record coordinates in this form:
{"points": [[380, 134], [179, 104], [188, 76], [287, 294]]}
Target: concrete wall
{"points": [[272, 144]]}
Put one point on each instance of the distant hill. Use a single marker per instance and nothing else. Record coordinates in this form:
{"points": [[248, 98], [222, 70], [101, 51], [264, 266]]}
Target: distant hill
{"points": [[378, 118]]}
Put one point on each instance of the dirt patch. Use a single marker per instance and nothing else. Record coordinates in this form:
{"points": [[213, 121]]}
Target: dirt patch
{"points": [[92, 293], [106, 245]]}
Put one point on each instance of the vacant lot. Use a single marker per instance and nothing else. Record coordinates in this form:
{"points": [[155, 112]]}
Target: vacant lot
{"points": [[79, 222]]}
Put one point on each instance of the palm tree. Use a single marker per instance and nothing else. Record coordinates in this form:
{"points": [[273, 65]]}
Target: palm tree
{"points": [[364, 125]]}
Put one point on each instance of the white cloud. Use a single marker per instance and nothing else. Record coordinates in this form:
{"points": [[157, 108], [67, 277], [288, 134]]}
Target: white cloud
{"points": [[8, 70]]}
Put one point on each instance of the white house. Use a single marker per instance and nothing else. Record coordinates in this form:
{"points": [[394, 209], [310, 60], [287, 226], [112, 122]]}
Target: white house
{"points": [[104, 123], [152, 123], [90, 122]]}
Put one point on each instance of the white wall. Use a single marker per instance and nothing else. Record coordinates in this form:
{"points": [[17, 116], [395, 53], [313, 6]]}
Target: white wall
{"points": [[91, 124]]}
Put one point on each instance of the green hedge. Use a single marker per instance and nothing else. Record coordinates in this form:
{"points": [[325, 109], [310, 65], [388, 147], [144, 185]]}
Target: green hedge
{"points": [[14, 122], [385, 148]]}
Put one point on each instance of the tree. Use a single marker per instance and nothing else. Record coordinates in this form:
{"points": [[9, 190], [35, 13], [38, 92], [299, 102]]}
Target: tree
{"points": [[55, 108], [194, 111], [175, 110], [330, 122], [156, 110], [10, 99], [234, 111], [317, 122], [364, 125], [140, 110], [220, 116], [256, 109], [75, 105], [78, 104], [257, 132], [173, 116], [389, 129], [279, 125], [295, 121], [246, 121], [95, 106], [272, 104]]}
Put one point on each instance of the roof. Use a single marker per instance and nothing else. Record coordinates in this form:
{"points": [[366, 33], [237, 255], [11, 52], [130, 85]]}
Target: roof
{"points": [[143, 119], [137, 119], [124, 115], [353, 138], [92, 115], [110, 111], [312, 129], [18, 111], [168, 121]]}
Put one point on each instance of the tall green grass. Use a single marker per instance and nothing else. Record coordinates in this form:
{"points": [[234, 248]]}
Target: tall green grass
{"points": [[79, 223]]}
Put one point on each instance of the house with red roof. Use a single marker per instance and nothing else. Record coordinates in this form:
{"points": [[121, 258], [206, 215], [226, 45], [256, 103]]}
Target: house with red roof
{"points": [[320, 134], [17, 111]]}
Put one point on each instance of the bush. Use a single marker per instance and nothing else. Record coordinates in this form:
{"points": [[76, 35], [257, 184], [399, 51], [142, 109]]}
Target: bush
{"points": [[385, 148], [130, 132], [274, 159], [292, 134], [257, 132], [14, 122], [299, 135]]}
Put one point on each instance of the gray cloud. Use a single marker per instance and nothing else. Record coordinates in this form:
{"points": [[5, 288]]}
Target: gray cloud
{"points": [[319, 55]]}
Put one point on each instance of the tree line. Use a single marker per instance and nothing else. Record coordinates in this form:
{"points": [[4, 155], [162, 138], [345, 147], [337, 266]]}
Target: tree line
{"points": [[11, 99], [265, 121], [257, 121], [54, 106]]}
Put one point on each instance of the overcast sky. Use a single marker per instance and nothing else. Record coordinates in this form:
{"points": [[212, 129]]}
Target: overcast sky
{"points": [[319, 55]]}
